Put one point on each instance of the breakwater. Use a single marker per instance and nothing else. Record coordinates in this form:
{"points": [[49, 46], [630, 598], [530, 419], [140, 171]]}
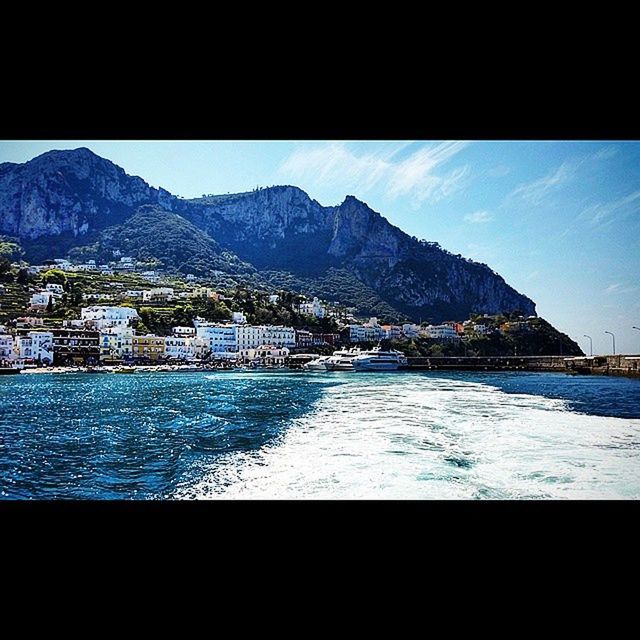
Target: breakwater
{"points": [[623, 365]]}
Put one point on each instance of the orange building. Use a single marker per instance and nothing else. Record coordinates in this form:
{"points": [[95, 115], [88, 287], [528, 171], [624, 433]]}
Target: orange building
{"points": [[148, 347]]}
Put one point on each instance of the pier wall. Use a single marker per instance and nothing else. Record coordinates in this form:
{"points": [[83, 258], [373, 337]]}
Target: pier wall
{"points": [[624, 365]]}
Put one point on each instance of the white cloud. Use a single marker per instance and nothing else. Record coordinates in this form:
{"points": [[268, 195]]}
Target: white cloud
{"points": [[606, 212], [606, 153], [535, 191], [618, 287], [414, 176], [478, 217]]}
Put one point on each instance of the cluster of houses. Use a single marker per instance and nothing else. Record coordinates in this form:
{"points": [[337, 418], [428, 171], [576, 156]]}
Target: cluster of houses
{"points": [[41, 299], [123, 264], [108, 334], [372, 330]]}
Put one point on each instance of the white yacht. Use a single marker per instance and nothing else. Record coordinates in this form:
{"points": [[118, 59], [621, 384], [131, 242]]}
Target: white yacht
{"points": [[341, 360], [377, 359], [319, 364]]}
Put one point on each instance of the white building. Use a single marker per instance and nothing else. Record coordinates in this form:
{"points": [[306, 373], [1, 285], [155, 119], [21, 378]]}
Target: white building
{"points": [[55, 289], [6, 347], [97, 296], [265, 355], [441, 332], [204, 292], [274, 298], [361, 333], [251, 337], [477, 328], [185, 347], [392, 331], [101, 317], [63, 264], [90, 265], [237, 317], [158, 294], [116, 342], [185, 332], [134, 293], [370, 331], [40, 299], [313, 308], [410, 330], [218, 338], [35, 345]]}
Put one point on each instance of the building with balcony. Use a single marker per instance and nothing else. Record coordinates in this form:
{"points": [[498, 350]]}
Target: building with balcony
{"points": [[75, 346], [149, 347], [313, 308], [101, 317], [116, 343]]}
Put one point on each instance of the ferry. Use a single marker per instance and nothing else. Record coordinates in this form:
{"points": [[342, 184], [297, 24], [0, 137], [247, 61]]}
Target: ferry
{"points": [[341, 360], [319, 364], [379, 360]]}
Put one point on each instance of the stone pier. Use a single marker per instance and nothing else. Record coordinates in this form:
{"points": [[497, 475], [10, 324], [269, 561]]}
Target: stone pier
{"points": [[623, 365]]}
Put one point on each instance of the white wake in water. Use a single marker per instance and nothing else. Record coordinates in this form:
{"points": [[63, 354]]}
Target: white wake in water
{"points": [[432, 438]]}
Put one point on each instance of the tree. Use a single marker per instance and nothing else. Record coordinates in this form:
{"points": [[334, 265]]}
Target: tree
{"points": [[50, 304], [54, 276], [22, 277]]}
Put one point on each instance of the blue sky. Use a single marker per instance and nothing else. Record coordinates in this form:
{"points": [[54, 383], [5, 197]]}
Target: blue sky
{"points": [[560, 221]]}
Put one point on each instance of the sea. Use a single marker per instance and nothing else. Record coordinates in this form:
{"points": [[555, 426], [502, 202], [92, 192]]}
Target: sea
{"points": [[310, 435]]}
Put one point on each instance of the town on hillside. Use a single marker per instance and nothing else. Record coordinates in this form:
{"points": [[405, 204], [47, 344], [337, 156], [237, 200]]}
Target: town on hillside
{"points": [[66, 314]]}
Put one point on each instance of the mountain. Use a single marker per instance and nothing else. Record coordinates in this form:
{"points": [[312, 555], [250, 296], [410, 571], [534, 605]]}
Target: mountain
{"points": [[69, 192], [66, 199], [155, 233]]}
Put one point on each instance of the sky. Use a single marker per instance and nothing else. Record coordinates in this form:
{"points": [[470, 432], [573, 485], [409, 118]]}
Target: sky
{"points": [[559, 220]]}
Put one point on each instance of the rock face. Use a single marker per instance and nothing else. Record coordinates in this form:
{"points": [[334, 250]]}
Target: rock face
{"points": [[278, 228], [69, 192]]}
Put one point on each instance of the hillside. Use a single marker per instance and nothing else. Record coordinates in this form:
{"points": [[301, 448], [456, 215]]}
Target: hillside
{"points": [[154, 234], [63, 200]]}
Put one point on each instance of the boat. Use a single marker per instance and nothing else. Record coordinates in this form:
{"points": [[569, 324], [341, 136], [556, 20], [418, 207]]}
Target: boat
{"points": [[378, 359], [319, 364], [125, 370], [7, 371], [341, 360]]}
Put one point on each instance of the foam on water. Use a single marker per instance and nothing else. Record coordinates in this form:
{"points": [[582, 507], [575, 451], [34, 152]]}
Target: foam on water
{"points": [[430, 437]]}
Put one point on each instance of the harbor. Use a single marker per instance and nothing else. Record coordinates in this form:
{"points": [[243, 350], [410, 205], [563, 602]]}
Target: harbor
{"points": [[618, 365]]}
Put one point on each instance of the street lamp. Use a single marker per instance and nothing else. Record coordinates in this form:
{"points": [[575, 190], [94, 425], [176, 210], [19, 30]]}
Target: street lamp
{"points": [[614, 341], [591, 343]]}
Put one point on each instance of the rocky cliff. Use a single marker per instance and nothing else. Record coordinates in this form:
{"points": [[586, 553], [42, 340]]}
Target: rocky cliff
{"points": [[73, 192], [70, 196]]}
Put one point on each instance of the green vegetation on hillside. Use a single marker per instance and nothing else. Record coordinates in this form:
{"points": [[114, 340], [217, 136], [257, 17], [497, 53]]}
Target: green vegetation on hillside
{"points": [[341, 286], [163, 239]]}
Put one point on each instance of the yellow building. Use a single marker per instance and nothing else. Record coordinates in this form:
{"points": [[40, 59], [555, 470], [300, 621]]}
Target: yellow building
{"points": [[148, 347]]}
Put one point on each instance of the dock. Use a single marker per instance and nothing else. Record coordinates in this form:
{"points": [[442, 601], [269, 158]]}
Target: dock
{"points": [[618, 365]]}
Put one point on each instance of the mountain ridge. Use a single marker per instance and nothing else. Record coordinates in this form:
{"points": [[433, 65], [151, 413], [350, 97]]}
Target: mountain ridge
{"points": [[70, 197]]}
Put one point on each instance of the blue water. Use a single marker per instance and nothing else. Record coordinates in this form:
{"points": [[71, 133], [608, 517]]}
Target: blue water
{"points": [[314, 435], [595, 395]]}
